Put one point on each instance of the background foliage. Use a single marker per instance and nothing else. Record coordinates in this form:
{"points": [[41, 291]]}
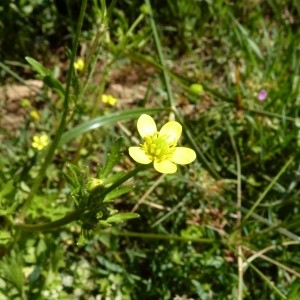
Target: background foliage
{"points": [[190, 239]]}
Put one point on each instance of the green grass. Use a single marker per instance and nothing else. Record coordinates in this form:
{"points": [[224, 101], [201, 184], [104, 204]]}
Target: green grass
{"points": [[224, 227]]}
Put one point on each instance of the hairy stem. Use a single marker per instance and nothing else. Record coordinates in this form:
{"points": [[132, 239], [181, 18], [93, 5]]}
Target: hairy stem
{"points": [[63, 120]]}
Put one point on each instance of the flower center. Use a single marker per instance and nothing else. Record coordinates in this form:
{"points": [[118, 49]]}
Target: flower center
{"points": [[157, 147]]}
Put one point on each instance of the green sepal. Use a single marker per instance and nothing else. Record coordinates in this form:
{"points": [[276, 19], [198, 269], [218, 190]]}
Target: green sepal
{"points": [[117, 193], [112, 158]]}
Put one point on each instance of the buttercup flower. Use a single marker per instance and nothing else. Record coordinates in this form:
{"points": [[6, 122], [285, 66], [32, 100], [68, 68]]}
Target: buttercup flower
{"points": [[159, 147], [109, 99], [79, 64], [35, 115], [40, 141]]}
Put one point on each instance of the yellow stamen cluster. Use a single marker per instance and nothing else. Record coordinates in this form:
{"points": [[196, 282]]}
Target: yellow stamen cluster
{"points": [[157, 147]]}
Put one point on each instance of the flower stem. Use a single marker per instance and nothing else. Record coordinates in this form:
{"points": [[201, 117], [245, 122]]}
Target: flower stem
{"points": [[124, 178], [63, 120], [166, 76], [73, 216]]}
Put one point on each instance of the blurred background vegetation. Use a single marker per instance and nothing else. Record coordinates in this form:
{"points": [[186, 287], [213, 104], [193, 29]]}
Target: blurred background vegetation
{"points": [[184, 245]]}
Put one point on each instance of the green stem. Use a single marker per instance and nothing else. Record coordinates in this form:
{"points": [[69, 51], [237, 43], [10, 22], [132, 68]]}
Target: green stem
{"points": [[157, 236], [161, 57], [265, 192], [200, 156], [123, 179], [73, 216], [63, 121], [171, 101], [268, 281]]}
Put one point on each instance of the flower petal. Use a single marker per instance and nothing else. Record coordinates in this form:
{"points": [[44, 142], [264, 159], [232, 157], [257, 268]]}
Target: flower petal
{"points": [[173, 130], [183, 155], [146, 125], [139, 155], [165, 167]]}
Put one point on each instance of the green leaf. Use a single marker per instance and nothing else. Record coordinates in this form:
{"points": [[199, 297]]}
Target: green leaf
{"points": [[38, 67], [113, 158], [7, 188], [113, 178], [117, 193], [7, 205], [247, 39], [121, 217], [76, 176], [70, 180], [106, 120], [54, 84], [81, 241], [11, 267], [4, 237], [47, 76]]}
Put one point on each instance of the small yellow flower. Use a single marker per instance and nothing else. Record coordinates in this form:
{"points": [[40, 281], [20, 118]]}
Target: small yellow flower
{"points": [[79, 64], [160, 147], [34, 115], [109, 99], [40, 141]]}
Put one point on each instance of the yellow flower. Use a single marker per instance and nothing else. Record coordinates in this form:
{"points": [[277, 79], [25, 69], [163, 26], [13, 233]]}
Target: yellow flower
{"points": [[109, 99], [34, 115], [79, 64], [40, 141], [160, 147]]}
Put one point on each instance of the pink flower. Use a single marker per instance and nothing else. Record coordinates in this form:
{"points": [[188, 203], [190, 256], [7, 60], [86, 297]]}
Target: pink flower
{"points": [[262, 95]]}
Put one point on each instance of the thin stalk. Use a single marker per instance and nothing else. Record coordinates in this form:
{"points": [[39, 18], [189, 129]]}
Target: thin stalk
{"points": [[171, 101], [239, 214], [157, 236], [63, 120], [73, 216], [267, 280], [277, 227], [260, 254], [268, 188], [166, 77], [123, 179], [15, 75], [200, 155]]}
